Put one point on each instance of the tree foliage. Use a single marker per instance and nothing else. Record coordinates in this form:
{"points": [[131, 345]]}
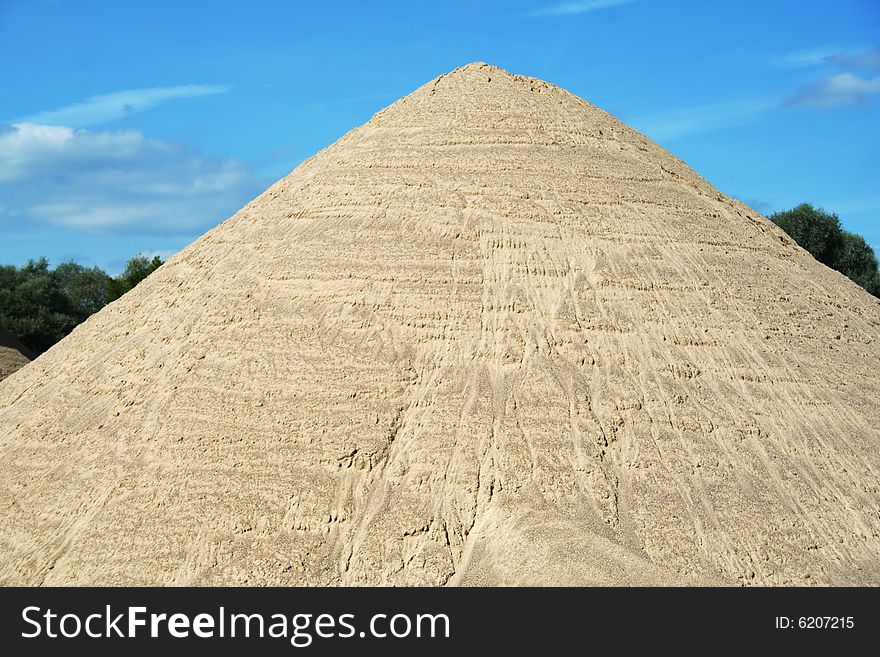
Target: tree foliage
{"points": [[137, 269], [40, 306], [87, 290], [34, 306], [857, 260], [820, 233]]}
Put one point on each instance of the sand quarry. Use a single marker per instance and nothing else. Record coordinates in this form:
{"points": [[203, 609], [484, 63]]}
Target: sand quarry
{"points": [[13, 355], [491, 337]]}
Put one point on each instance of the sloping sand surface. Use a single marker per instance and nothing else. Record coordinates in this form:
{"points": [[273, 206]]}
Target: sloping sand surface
{"points": [[493, 336]]}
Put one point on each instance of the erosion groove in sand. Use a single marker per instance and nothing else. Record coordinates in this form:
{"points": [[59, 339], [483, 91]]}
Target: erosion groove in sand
{"points": [[493, 336]]}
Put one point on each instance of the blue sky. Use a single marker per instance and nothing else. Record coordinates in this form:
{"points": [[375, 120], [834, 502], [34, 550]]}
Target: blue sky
{"points": [[136, 126]]}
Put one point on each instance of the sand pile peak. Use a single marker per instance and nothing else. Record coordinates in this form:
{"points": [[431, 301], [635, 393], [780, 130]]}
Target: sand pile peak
{"points": [[491, 336]]}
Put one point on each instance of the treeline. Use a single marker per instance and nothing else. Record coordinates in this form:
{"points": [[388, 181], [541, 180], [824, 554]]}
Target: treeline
{"points": [[39, 305], [820, 233]]}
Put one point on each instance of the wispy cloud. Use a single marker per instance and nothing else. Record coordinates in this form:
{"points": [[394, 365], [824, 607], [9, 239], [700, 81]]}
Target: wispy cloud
{"points": [[846, 59], [869, 59], [674, 124], [807, 58], [114, 181], [843, 89], [107, 107], [854, 85], [578, 7]]}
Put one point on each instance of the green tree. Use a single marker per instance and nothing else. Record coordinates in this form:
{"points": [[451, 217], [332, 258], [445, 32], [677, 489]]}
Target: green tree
{"points": [[856, 259], [814, 229], [136, 270], [40, 306], [87, 290], [34, 306], [819, 232]]}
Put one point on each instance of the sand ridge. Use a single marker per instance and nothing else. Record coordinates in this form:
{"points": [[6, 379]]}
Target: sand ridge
{"points": [[492, 336]]}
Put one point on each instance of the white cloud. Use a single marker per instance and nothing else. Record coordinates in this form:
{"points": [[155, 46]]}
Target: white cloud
{"points": [[114, 181], [836, 91], [578, 7], [29, 149], [107, 107], [670, 125]]}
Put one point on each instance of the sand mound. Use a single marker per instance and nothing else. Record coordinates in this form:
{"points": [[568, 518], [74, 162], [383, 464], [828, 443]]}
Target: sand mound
{"points": [[13, 355], [491, 336]]}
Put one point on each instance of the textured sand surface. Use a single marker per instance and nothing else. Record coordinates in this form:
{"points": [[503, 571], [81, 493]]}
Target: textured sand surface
{"points": [[493, 336], [13, 356]]}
